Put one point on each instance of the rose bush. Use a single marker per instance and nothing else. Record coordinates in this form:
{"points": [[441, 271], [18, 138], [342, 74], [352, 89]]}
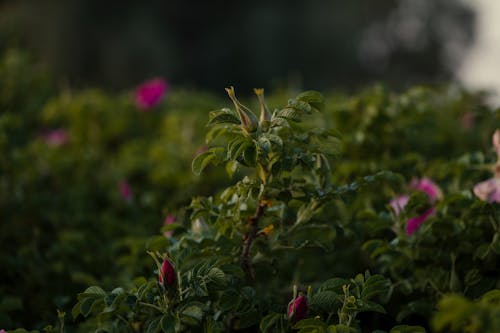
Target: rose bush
{"points": [[290, 226]]}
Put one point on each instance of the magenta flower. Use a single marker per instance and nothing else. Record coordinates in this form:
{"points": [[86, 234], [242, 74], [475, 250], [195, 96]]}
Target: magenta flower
{"points": [[428, 187], [150, 93], [414, 223], [425, 185], [3, 331], [166, 276], [125, 190], [56, 138], [297, 308], [488, 190], [168, 220]]}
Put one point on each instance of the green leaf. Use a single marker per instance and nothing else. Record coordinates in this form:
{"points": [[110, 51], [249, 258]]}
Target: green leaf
{"points": [[154, 326], [326, 300], [269, 321], [201, 161], [375, 285], [224, 116], [167, 323], [229, 299], [289, 113], [95, 290], [313, 98], [217, 276], [452, 310], [310, 325]]}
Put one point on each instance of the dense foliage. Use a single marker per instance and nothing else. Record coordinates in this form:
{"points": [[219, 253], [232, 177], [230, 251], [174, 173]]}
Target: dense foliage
{"points": [[298, 219]]}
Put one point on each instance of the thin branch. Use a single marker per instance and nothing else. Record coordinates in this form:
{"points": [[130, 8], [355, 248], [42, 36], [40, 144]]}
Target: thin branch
{"points": [[251, 234]]}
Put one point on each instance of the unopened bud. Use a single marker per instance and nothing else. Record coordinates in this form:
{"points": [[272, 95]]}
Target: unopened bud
{"points": [[265, 115], [166, 276], [297, 308], [249, 122]]}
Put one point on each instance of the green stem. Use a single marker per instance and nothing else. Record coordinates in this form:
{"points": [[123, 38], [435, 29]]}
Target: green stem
{"points": [[151, 306]]}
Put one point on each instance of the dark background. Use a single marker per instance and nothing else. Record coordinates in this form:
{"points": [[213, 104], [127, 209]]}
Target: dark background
{"points": [[208, 45]]}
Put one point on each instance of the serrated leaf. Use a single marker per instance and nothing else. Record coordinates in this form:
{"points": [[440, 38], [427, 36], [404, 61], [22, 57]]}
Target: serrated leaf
{"points": [[375, 285], [326, 300], [313, 98], [289, 114], [194, 312]]}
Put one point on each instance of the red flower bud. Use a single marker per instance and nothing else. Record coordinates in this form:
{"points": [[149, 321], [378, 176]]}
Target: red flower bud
{"points": [[167, 273], [297, 308]]}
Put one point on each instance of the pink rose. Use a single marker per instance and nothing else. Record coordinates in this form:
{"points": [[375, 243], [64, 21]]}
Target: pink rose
{"points": [[56, 138], [150, 93], [428, 187], [297, 308], [414, 223], [488, 190], [425, 185], [399, 203], [125, 190]]}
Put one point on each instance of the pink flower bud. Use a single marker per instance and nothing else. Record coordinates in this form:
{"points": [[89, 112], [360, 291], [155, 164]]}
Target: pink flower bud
{"points": [[167, 273], [125, 190], [297, 308], [249, 122], [150, 93], [414, 223]]}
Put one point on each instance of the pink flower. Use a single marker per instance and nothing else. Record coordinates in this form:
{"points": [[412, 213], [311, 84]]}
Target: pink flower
{"points": [[425, 185], [168, 220], [125, 190], [488, 190], [399, 203], [150, 93], [414, 223], [167, 273], [56, 138], [3, 331], [428, 187], [297, 308]]}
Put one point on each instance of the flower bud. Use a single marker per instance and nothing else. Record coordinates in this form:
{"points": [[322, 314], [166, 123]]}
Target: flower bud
{"points": [[249, 122], [297, 308], [167, 273], [265, 115]]}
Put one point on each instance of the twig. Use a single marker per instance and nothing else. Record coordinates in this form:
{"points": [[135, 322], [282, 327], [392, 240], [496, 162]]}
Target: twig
{"points": [[249, 238]]}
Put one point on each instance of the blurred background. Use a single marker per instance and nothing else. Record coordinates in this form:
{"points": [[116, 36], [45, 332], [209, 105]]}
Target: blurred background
{"points": [[211, 44]]}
